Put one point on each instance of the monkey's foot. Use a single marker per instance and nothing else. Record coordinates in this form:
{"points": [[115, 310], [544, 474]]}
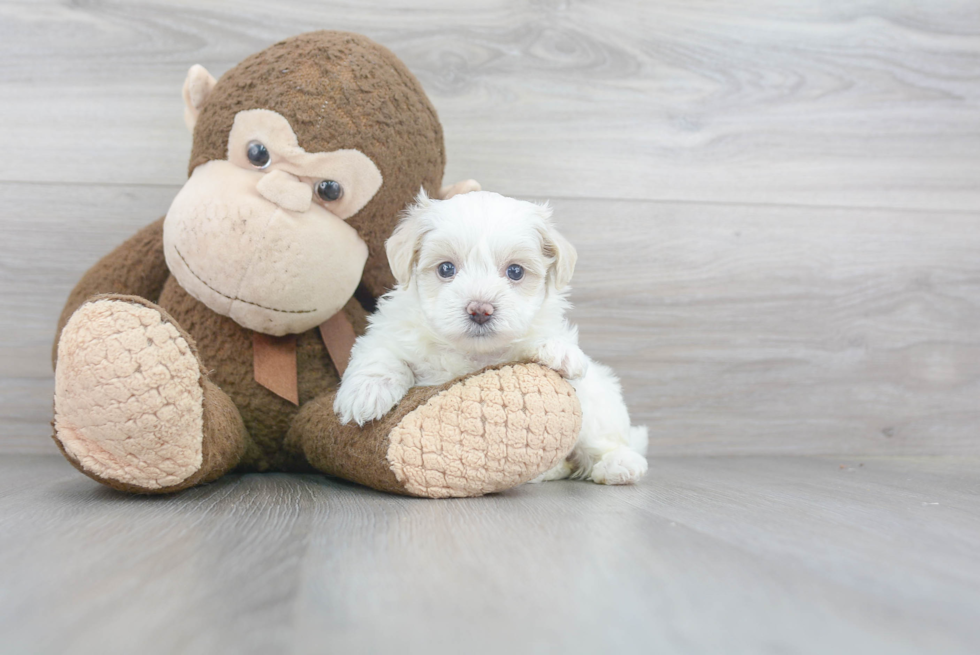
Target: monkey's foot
{"points": [[486, 433], [129, 396], [490, 432]]}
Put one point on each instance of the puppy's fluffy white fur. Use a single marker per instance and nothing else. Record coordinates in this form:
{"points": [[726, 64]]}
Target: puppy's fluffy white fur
{"points": [[423, 333]]}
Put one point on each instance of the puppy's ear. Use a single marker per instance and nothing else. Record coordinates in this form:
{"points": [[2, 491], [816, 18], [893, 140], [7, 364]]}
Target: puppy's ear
{"points": [[403, 246], [558, 249]]}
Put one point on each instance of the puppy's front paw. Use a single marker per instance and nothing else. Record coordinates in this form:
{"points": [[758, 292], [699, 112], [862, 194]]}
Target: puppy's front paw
{"points": [[366, 398], [566, 358], [621, 466]]}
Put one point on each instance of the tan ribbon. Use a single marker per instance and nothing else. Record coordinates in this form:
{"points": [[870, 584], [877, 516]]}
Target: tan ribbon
{"points": [[338, 336], [274, 358], [274, 363]]}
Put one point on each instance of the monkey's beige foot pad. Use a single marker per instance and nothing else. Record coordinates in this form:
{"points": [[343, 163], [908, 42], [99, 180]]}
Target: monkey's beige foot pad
{"points": [[491, 432], [128, 396]]}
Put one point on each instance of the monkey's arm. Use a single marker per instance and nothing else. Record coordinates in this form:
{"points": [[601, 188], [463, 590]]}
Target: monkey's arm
{"points": [[136, 268]]}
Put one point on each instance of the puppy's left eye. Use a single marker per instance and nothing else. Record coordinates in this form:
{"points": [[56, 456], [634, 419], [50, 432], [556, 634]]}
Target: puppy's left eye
{"points": [[446, 270], [515, 272]]}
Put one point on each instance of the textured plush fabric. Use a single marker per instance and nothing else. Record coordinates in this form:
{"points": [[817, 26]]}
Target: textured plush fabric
{"points": [[486, 433], [225, 349], [197, 87], [128, 398], [133, 407], [373, 104], [472, 436], [246, 258], [356, 173]]}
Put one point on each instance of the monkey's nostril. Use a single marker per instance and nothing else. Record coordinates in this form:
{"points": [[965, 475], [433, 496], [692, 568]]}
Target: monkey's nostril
{"points": [[480, 312]]}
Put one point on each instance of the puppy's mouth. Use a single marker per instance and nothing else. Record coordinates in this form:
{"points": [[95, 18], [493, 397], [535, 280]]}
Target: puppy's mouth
{"points": [[479, 331], [488, 329]]}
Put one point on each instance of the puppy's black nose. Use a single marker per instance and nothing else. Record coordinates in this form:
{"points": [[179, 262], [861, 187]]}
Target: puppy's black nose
{"points": [[480, 312]]}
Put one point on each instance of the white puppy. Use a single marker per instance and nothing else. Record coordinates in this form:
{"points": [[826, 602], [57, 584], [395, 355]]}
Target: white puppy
{"points": [[483, 280]]}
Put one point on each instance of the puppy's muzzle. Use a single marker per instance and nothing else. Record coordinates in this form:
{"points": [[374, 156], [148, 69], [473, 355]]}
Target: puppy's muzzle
{"points": [[480, 312]]}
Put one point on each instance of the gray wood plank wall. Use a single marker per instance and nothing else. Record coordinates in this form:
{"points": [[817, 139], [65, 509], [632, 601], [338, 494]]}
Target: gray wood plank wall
{"points": [[776, 204]]}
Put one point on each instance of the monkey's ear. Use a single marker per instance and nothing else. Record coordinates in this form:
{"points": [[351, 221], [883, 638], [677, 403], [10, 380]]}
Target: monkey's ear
{"points": [[403, 246], [557, 248], [197, 88], [465, 186]]}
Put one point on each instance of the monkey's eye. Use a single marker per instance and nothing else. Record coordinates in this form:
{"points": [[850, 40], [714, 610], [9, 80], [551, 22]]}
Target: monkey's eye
{"points": [[515, 272], [258, 154], [446, 270], [329, 190]]}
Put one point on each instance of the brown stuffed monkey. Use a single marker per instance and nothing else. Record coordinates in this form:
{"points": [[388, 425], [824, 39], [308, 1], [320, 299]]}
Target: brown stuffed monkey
{"points": [[215, 337]]}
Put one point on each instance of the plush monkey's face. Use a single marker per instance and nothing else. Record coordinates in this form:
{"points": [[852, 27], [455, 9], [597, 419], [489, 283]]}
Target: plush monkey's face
{"points": [[261, 236]]}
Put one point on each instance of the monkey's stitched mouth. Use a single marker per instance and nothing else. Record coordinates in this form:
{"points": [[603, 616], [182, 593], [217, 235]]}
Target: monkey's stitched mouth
{"points": [[234, 298]]}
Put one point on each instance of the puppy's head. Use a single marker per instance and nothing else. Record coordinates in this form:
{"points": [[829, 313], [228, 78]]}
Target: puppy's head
{"points": [[483, 265]]}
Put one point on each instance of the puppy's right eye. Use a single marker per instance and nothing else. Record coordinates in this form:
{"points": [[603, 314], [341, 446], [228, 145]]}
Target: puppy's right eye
{"points": [[446, 270]]}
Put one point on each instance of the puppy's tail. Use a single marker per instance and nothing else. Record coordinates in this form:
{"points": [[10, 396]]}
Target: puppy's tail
{"points": [[639, 440]]}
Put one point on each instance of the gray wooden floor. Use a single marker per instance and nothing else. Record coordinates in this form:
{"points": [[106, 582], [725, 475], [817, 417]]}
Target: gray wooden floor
{"points": [[708, 555], [777, 212]]}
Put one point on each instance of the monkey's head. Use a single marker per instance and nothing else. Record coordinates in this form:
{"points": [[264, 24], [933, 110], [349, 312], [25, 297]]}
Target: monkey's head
{"points": [[304, 154]]}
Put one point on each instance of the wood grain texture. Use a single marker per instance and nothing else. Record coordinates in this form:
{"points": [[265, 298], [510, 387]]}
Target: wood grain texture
{"points": [[865, 103], [759, 329], [706, 555], [776, 203]]}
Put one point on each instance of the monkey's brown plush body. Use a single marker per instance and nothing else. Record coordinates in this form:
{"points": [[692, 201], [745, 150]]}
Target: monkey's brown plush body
{"points": [[161, 343]]}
